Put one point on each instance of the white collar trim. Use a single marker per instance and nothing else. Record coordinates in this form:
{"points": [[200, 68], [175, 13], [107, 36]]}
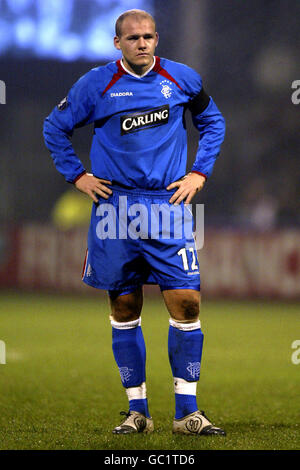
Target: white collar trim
{"points": [[134, 74]]}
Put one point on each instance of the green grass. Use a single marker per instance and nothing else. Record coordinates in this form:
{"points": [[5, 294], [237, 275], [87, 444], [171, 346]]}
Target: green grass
{"points": [[60, 388]]}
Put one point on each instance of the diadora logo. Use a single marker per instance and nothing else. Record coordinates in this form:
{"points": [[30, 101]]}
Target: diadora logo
{"points": [[166, 89], [63, 104], [150, 118], [89, 270], [121, 93]]}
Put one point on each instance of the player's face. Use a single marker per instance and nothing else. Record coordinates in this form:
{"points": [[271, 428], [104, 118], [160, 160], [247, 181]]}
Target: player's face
{"points": [[137, 43]]}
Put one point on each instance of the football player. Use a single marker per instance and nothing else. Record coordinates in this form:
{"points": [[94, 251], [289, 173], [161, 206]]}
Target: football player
{"points": [[138, 168]]}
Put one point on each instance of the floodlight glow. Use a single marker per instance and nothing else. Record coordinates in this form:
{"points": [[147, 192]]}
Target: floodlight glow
{"points": [[62, 30]]}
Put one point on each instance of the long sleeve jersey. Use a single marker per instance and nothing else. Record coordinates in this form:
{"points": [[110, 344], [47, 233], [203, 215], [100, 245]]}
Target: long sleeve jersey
{"points": [[140, 137]]}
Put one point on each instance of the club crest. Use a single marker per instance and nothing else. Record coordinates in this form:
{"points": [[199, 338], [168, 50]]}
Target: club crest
{"points": [[125, 373], [194, 369], [166, 89]]}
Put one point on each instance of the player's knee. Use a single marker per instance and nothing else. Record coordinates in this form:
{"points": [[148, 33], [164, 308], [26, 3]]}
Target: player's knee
{"points": [[126, 308], [190, 309], [183, 306], [124, 311], [187, 308]]}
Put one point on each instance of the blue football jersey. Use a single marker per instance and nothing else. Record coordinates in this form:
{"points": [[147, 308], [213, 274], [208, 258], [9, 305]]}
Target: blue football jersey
{"points": [[140, 137]]}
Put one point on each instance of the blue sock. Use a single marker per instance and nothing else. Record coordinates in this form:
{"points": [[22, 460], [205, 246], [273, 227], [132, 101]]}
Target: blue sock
{"points": [[184, 405], [140, 405], [185, 351], [130, 355]]}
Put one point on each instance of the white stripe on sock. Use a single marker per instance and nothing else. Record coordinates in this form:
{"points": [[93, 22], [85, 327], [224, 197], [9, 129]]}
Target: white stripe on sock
{"points": [[183, 387], [137, 393], [185, 326], [125, 325]]}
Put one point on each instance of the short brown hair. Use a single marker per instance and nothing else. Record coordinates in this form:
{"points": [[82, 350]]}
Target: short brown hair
{"points": [[138, 14]]}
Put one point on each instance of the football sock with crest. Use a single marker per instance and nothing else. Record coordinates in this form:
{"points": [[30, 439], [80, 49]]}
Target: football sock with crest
{"points": [[185, 344], [130, 355]]}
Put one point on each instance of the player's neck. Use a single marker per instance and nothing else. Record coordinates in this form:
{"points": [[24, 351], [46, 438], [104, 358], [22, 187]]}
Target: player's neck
{"points": [[135, 69]]}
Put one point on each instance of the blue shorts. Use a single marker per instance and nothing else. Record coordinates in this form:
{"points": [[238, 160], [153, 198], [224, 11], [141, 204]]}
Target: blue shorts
{"points": [[137, 237]]}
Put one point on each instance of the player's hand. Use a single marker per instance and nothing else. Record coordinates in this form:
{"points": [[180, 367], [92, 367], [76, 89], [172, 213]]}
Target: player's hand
{"points": [[93, 186], [188, 187]]}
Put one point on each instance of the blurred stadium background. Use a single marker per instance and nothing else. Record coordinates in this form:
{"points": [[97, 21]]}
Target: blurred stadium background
{"points": [[55, 387], [247, 54]]}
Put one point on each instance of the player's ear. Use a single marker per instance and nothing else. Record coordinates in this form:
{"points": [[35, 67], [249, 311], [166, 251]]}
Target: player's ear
{"points": [[157, 38], [117, 43]]}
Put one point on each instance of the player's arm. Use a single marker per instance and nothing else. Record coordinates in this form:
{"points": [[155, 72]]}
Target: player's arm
{"points": [[210, 123], [208, 119], [76, 110]]}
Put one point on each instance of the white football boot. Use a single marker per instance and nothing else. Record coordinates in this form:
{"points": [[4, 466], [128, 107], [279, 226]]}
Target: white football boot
{"points": [[134, 422], [196, 423]]}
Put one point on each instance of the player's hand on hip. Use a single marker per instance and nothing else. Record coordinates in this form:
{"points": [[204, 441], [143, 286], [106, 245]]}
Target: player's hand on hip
{"points": [[93, 186], [188, 187]]}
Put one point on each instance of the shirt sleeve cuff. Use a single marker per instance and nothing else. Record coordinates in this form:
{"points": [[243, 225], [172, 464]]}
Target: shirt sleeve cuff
{"points": [[199, 173], [79, 176]]}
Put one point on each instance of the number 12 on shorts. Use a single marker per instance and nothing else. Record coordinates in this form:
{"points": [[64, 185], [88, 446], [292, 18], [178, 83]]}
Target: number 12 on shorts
{"points": [[185, 261]]}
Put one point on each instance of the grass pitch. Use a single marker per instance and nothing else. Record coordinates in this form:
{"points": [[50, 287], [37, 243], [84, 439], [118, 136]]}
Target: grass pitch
{"points": [[60, 387]]}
